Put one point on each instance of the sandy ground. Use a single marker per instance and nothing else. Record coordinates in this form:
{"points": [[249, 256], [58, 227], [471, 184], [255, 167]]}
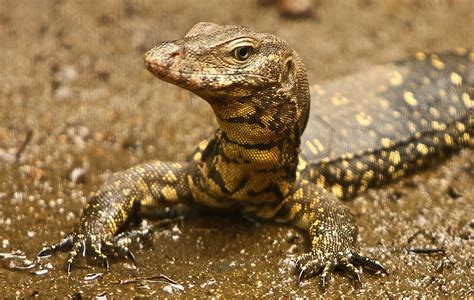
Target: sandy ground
{"points": [[72, 75]]}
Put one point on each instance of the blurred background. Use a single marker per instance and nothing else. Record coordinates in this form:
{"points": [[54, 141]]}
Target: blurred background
{"points": [[76, 104]]}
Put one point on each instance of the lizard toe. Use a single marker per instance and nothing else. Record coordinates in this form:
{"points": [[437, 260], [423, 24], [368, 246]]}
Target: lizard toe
{"points": [[313, 264], [353, 271], [63, 244], [125, 238], [79, 247], [327, 272], [310, 269], [97, 251], [367, 263], [301, 261], [125, 252]]}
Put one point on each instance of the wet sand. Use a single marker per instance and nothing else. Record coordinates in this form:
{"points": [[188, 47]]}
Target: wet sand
{"points": [[72, 75]]}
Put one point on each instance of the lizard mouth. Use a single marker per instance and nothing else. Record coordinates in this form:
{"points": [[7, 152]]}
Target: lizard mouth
{"points": [[161, 72], [193, 80]]}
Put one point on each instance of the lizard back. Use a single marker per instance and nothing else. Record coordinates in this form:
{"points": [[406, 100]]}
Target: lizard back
{"points": [[375, 126]]}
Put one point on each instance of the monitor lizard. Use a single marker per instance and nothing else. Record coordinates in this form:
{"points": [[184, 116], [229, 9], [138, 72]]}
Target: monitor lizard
{"points": [[362, 131]]}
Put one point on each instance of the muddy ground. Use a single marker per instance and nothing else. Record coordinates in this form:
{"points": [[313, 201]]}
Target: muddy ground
{"points": [[72, 75]]}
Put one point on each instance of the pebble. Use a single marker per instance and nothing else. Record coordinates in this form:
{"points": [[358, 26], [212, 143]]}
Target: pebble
{"points": [[101, 296], [66, 73], [168, 289], [176, 230], [92, 276], [293, 249], [63, 92], [78, 175], [41, 272], [421, 221], [18, 196], [295, 8], [84, 132]]}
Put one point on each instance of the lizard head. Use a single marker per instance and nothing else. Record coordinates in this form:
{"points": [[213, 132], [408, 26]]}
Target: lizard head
{"points": [[247, 76]]}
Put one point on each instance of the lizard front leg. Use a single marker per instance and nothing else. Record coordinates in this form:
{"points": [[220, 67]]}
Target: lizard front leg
{"points": [[150, 184], [332, 233]]}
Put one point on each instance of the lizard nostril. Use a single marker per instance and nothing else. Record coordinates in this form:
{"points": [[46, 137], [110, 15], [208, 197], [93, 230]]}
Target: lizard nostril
{"points": [[175, 53], [163, 54], [173, 50]]}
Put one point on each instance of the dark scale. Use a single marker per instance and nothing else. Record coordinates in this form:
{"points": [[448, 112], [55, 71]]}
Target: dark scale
{"points": [[363, 130]]}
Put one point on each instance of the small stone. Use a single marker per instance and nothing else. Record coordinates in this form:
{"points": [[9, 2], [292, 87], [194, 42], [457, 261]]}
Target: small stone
{"points": [[453, 193], [168, 289], [52, 203], [18, 196], [78, 175], [101, 296], [63, 92], [66, 73], [84, 132], [41, 272], [421, 221], [92, 276], [295, 8], [293, 249]]}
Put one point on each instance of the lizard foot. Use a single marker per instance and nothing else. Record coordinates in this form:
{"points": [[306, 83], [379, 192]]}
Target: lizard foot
{"points": [[314, 263], [99, 248]]}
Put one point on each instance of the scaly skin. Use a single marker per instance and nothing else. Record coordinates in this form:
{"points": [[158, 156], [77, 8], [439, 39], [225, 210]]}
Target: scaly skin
{"points": [[379, 125], [257, 87]]}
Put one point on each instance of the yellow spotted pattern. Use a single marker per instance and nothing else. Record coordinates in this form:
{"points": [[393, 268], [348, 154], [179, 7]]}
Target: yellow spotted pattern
{"points": [[396, 120]]}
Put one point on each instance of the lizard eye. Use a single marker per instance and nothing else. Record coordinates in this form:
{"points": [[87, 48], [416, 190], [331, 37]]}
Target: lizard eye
{"points": [[242, 53]]}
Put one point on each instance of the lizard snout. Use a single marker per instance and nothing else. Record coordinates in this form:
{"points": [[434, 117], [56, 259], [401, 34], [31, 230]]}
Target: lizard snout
{"points": [[170, 49], [162, 56]]}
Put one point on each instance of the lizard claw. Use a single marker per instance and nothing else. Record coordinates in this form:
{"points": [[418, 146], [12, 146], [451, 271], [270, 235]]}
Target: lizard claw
{"points": [[68, 267], [124, 252], [310, 269], [63, 244], [326, 274], [368, 263], [120, 242], [105, 263], [100, 248], [311, 264], [354, 272], [77, 248]]}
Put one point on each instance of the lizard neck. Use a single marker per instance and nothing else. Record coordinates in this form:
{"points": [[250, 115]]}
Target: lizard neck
{"points": [[262, 130], [248, 173], [254, 153]]}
